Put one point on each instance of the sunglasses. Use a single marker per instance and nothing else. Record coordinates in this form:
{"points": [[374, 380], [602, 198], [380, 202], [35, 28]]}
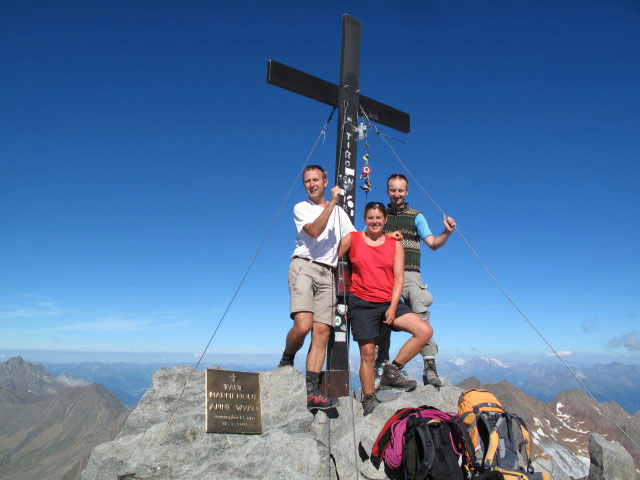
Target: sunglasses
{"points": [[375, 205]]}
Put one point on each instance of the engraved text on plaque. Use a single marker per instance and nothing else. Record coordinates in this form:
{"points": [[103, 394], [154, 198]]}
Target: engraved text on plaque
{"points": [[233, 402]]}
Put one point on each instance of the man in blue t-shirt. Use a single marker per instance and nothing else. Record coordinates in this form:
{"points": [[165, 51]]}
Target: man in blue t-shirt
{"points": [[414, 229]]}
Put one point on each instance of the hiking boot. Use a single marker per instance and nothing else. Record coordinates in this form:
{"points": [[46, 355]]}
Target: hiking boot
{"points": [[286, 361], [369, 402], [430, 374], [316, 401], [376, 382], [392, 377]]}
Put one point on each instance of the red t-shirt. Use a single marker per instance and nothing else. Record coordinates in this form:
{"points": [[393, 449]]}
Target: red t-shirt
{"points": [[372, 268]]}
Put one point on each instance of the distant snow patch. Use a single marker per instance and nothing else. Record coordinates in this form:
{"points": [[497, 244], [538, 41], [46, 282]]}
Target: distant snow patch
{"points": [[572, 465], [565, 418], [73, 381], [498, 362], [561, 353], [457, 361], [495, 361]]}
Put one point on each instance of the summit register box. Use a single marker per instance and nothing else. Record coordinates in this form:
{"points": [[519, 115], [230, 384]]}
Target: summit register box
{"points": [[233, 402]]}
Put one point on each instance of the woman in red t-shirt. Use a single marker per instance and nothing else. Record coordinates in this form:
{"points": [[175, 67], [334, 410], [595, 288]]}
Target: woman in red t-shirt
{"points": [[376, 286]]}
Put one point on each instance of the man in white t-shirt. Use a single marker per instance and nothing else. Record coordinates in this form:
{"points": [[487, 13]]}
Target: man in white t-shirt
{"points": [[320, 225]]}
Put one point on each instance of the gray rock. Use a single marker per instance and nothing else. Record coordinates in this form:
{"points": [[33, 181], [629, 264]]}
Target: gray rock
{"points": [[295, 444], [609, 460], [149, 447]]}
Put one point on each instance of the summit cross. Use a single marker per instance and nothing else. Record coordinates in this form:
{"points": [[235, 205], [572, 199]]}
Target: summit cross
{"points": [[347, 99]]}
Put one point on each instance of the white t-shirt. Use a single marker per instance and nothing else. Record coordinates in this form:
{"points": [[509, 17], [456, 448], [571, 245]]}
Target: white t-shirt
{"points": [[323, 249]]}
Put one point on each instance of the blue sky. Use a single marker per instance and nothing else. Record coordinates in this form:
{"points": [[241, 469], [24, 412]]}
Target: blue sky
{"points": [[143, 157]]}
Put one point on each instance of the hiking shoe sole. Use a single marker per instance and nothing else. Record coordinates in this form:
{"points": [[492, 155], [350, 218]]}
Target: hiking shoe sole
{"points": [[326, 405], [402, 389]]}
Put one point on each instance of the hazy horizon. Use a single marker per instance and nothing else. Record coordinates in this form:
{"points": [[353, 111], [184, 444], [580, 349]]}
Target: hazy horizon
{"points": [[70, 356]]}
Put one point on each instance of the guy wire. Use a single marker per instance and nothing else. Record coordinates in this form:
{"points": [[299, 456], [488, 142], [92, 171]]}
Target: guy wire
{"points": [[504, 292], [264, 239]]}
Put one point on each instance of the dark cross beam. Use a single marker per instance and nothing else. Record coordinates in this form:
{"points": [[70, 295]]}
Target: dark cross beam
{"points": [[346, 97]]}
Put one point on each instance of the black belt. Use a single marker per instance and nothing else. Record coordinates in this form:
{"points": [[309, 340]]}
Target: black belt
{"points": [[317, 263]]}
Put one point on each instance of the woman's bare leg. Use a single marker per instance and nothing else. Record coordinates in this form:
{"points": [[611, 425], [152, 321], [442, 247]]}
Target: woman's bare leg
{"points": [[412, 323], [367, 373]]}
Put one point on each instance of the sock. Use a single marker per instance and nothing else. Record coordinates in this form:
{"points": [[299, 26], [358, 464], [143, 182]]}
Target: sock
{"points": [[313, 382], [428, 357], [399, 365], [286, 356]]}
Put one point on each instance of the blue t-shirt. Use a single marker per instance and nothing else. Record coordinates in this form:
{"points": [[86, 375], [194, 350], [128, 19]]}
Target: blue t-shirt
{"points": [[422, 227]]}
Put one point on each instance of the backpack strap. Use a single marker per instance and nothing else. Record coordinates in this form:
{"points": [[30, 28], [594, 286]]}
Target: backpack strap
{"points": [[463, 434], [494, 440], [525, 441], [487, 404], [466, 439], [425, 440]]}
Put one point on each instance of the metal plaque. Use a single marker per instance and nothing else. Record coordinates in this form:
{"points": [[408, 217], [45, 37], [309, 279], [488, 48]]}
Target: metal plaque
{"points": [[233, 402]]}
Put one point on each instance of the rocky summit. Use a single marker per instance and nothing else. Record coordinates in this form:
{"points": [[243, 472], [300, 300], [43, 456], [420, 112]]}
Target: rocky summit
{"points": [[164, 436]]}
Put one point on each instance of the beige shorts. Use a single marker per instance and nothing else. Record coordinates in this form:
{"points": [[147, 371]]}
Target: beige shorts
{"points": [[312, 289], [415, 293]]}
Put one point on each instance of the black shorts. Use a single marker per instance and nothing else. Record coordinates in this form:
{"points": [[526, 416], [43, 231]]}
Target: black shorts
{"points": [[366, 317]]}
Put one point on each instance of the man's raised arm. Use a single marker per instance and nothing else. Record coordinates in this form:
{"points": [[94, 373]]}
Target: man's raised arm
{"points": [[316, 227], [435, 242]]}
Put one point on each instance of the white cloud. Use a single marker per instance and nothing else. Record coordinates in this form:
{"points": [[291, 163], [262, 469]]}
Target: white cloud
{"points": [[107, 325], [126, 323], [630, 341], [561, 353], [39, 310]]}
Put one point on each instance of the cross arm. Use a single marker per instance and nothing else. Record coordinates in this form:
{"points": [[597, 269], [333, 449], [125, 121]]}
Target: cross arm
{"points": [[302, 83]]}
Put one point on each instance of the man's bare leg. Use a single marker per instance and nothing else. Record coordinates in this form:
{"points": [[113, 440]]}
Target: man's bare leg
{"points": [[315, 359], [302, 324], [318, 349]]}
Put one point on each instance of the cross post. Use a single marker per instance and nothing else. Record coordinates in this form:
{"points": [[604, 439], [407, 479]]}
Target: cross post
{"points": [[347, 99]]}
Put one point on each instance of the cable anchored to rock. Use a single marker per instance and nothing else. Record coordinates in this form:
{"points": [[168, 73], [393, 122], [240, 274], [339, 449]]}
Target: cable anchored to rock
{"points": [[495, 281], [322, 135]]}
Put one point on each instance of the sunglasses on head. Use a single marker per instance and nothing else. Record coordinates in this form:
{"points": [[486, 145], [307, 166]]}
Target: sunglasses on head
{"points": [[375, 205]]}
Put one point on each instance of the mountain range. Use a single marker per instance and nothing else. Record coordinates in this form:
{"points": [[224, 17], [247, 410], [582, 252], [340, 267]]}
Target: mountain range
{"points": [[544, 380], [48, 425]]}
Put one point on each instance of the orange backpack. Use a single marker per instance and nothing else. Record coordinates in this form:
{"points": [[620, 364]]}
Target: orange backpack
{"points": [[500, 439]]}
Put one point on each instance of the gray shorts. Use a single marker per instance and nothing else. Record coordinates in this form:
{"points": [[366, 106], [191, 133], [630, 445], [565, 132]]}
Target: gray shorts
{"points": [[312, 289], [415, 293]]}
